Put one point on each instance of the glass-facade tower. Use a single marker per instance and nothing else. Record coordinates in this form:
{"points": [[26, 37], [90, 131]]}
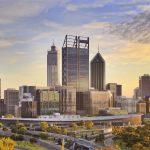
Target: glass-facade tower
{"points": [[75, 62], [52, 67]]}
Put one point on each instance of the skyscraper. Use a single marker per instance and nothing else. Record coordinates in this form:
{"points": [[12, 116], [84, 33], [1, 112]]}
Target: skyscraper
{"points": [[98, 72], [52, 67], [75, 62], [144, 85]]}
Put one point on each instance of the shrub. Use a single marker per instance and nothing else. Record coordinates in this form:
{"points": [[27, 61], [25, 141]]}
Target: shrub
{"points": [[33, 140], [17, 137], [43, 136], [74, 126]]}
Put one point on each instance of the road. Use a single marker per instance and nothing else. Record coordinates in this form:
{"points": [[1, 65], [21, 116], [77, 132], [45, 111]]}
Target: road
{"points": [[60, 136], [46, 144]]}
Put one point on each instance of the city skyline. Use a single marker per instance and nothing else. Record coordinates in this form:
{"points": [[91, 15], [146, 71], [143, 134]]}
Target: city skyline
{"points": [[120, 27]]}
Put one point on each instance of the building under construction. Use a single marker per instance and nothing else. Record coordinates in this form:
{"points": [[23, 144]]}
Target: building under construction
{"points": [[75, 62]]}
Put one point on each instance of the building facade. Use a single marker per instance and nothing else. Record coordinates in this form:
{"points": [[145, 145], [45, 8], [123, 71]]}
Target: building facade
{"points": [[29, 109], [11, 99], [67, 101], [47, 101], [2, 108], [98, 72], [94, 101], [144, 85], [0, 89], [52, 67], [116, 91], [27, 93], [141, 107], [136, 93], [75, 62]]}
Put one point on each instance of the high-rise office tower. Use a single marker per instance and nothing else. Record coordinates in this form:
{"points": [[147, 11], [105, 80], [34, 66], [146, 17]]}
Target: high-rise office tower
{"points": [[52, 67], [75, 62], [144, 85], [98, 72]]}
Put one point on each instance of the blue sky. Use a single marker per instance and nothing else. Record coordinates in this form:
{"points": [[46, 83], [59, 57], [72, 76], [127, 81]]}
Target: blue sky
{"points": [[28, 27]]}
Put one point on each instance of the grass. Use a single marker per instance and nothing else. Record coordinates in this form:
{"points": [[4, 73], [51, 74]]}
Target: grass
{"points": [[121, 144], [29, 146]]}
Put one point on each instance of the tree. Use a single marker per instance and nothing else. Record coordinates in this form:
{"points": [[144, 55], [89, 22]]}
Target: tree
{"points": [[19, 128], [1, 125], [139, 146], [7, 144], [81, 123], [43, 136], [64, 131], [22, 130], [88, 124], [74, 126], [9, 116], [44, 126]]}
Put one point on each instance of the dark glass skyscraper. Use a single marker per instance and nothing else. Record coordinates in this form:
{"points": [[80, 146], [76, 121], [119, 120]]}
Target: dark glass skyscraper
{"points": [[98, 72], [75, 62], [144, 85]]}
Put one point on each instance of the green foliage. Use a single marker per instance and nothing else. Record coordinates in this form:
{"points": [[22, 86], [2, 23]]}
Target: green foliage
{"points": [[74, 126], [29, 146], [134, 138], [9, 116], [89, 124], [43, 136], [44, 126], [1, 125], [19, 128], [5, 128], [33, 140], [64, 131], [54, 129], [16, 137], [81, 123]]}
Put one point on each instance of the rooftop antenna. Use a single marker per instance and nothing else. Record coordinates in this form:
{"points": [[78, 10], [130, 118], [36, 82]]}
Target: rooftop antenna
{"points": [[98, 48], [53, 43]]}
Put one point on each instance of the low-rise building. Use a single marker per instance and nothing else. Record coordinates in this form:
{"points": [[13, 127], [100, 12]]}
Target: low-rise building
{"points": [[47, 101], [28, 109], [94, 101], [11, 99], [141, 107]]}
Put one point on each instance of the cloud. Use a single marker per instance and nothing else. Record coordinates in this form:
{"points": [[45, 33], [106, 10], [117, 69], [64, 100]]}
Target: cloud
{"points": [[137, 29], [145, 8], [85, 5], [11, 10], [5, 42]]}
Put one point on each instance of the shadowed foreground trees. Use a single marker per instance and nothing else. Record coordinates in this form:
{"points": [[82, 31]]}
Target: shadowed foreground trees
{"points": [[134, 138]]}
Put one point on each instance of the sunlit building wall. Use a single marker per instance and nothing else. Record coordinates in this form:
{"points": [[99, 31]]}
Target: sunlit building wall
{"points": [[67, 102], [48, 101]]}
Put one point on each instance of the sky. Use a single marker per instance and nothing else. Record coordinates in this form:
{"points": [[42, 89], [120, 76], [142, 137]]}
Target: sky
{"points": [[121, 28]]}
